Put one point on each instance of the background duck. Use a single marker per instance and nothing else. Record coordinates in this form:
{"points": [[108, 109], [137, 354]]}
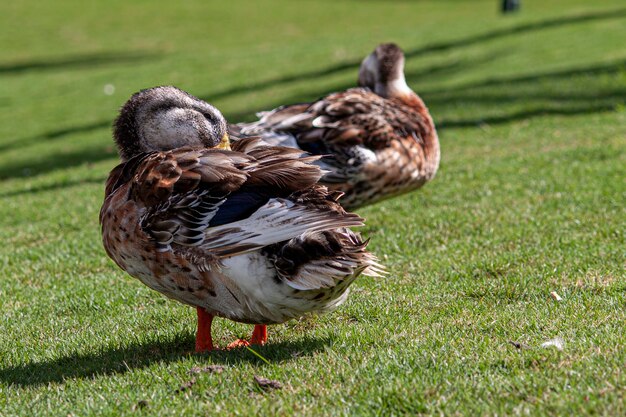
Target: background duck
{"points": [[245, 234], [378, 140]]}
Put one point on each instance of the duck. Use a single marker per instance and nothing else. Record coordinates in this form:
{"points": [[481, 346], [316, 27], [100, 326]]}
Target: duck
{"points": [[378, 140], [242, 230]]}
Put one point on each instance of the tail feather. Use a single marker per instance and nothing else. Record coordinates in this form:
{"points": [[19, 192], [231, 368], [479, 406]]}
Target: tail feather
{"points": [[318, 260]]}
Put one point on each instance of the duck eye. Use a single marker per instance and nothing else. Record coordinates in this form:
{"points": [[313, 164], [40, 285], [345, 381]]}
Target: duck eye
{"points": [[211, 117]]}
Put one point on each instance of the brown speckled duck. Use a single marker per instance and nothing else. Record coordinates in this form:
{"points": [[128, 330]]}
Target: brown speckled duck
{"points": [[243, 233], [377, 140]]}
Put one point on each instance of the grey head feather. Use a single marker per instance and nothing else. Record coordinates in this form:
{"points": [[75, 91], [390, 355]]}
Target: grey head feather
{"points": [[165, 118]]}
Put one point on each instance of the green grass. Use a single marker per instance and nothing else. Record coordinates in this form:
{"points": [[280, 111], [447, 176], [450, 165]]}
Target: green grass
{"points": [[529, 199]]}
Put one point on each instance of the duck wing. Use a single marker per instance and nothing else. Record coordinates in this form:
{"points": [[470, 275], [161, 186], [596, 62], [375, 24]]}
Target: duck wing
{"points": [[222, 203], [347, 128], [353, 117]]}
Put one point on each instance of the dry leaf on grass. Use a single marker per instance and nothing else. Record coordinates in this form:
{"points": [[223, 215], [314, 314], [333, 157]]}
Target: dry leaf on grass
{"points": [[267, 384], [185, 386], [556, 296]]}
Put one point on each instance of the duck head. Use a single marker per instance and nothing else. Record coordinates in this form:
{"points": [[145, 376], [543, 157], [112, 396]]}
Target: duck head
{"points": [[164, 118], [382, 71]]}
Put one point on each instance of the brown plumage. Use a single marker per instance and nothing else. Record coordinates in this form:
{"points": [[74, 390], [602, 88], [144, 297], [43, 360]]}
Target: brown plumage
{"points": [[224, 230], [377, 140]]}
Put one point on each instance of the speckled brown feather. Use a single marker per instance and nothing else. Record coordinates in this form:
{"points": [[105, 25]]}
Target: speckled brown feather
{"points": [[398, 130]]}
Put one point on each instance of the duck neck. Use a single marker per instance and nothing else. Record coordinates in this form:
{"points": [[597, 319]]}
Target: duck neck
{"points": [[429, 133]]}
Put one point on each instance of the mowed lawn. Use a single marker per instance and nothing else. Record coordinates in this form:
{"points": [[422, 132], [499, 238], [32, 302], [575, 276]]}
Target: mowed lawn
{"points": [[529, 199]]}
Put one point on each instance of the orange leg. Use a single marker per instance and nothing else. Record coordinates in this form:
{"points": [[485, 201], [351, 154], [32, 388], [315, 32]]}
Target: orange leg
{"points": [[259, 337], [204, 341]]}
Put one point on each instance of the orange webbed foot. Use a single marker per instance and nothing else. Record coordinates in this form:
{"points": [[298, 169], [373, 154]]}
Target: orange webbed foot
{"points": [[239, 343], [259, 337]]}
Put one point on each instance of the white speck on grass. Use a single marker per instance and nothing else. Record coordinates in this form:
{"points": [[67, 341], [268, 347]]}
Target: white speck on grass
{"points": [[557, 342], [556, 296], [109, 89]]}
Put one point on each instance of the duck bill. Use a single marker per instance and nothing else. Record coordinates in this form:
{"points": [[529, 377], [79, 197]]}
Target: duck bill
{"points": [[224, 143]]}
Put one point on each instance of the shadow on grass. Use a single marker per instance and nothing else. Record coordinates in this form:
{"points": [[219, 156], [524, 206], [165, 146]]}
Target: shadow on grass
{"points": [[55, 134], [523, 115], [569, 100], [523, 28], [121, 360], [593, 70], [421, 51], [76, 61], [53, 187], [55, 160]]}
